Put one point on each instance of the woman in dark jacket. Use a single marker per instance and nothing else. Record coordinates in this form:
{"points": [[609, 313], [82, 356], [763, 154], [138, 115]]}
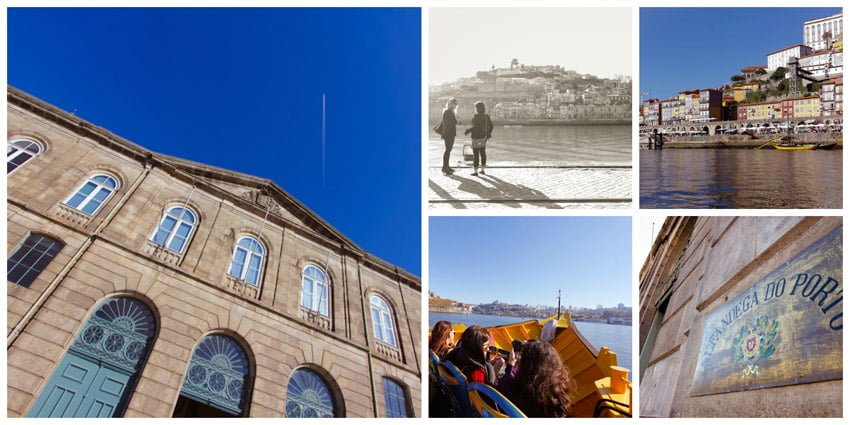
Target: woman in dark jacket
{"points": [[470, 356], [482, 129], [543, 387], [448, 133]]}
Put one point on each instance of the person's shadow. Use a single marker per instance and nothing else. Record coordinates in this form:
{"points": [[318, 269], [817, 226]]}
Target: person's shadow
{"points": [[443, 194], [508, 194]]}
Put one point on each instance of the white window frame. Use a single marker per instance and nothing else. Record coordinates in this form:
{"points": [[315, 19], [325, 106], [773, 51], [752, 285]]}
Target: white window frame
{"points": [[315, 300], [95, 191], [246, 265], [179, 220], [18, 151], [386, 317]]}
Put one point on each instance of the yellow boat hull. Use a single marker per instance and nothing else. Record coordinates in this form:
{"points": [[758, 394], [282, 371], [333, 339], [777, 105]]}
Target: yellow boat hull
{"points": [[796, 148], [591, 368]]}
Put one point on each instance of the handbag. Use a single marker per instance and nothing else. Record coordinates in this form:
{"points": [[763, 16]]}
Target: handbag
{"points": [[439, 128]]}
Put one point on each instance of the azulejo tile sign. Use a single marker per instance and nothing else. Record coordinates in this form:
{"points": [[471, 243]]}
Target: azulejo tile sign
{"points": [[786, 329]]}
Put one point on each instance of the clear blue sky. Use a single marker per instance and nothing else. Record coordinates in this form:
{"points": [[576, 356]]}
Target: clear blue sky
{"points": [[525, 260], [694, 48], [242, 89]]}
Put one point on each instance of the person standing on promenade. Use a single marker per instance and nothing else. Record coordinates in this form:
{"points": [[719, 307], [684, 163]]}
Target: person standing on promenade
{"points": [[448, 131], [482, 129]]}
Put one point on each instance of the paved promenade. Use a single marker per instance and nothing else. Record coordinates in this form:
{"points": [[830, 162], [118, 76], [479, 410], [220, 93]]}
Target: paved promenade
{"points": [[532, 186]]}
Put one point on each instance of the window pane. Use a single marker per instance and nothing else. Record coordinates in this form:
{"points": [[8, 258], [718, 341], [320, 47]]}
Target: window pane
{"points": [[28, 261], [323, 299], [376, 324], [78, 197], [253, 270], [238, 262], [177, 243], [307, 293]]}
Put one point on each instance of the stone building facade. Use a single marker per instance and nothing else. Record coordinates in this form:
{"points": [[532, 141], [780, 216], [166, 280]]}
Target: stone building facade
{"points": [[742, 317], [153, 286]]}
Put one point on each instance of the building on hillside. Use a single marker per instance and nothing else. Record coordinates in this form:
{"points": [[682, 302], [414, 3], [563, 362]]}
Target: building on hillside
{"points": [[653, 113], [831, 97], [815, 29], [760, 111], [754, 72], [781, 57], [801, 107], [143, 285], [710, 105], [742, 317], [823, 64]]}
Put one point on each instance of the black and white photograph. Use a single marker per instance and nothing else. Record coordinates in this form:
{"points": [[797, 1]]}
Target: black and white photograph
{"points": [[529, 108]]}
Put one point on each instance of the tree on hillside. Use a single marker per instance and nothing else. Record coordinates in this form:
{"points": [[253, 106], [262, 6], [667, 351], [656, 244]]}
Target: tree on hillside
{"points": [[779, 74], [760, 71], [737, 78], [514, 63]]}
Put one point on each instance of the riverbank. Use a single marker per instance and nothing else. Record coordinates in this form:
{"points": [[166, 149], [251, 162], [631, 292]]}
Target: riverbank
{"points": [[832, 140]]}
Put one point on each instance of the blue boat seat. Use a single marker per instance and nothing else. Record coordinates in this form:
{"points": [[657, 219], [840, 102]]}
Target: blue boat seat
{"points": [[457, 383], [487, 402]]}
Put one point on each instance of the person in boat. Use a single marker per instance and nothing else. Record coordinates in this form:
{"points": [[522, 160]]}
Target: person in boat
{"points": [[482, 130], [448, 131], [541, 386], [442, 339], [470, 356]]}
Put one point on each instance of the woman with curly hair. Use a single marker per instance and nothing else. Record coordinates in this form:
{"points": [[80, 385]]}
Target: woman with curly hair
{"points": [[470, 356], [442, 338], [542, 388]]}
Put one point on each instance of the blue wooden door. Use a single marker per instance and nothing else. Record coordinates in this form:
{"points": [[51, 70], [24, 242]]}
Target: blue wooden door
{"points": [[96, 375], [81, 388]]}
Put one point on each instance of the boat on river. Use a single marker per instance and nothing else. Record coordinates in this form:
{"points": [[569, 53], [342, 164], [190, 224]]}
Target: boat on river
{"points": [[808, 147], [603, 387]]}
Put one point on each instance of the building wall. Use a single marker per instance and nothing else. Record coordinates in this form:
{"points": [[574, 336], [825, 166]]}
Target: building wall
{"points": [[813, 30], [191, 295], [703, 262]]}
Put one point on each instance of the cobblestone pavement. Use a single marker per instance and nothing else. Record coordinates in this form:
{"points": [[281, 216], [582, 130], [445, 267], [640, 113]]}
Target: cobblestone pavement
{"points": [[531, 187]]}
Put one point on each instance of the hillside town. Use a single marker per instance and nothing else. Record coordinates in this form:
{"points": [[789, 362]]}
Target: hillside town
{"points": [[801, 84], [619, 314], [546, 94]]}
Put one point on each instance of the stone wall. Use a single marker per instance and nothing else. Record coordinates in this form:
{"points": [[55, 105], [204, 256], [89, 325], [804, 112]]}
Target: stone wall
{"points": [[110, 253]]}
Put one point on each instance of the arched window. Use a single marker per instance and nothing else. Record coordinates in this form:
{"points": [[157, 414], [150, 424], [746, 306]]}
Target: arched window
{"points": [[247, 260], [308, 396], [98, 373], [216, 379], [19, 151], [175, 228], [314, 290], [93, 193], [395, 399], [31, 258], [382, 321]]}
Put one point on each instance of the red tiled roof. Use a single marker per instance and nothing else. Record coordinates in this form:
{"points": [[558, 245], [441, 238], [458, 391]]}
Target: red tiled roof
{"points": [[754, 68]]}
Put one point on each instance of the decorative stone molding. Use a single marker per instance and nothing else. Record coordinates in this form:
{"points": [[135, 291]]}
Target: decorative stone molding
{"points": [[388, 351], [256, 197], [315, 318], [241, 287], [162, 253], [72, 215]]}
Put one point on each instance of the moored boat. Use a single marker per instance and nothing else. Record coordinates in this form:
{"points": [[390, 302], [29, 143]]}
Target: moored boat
{"points": [[808, 147], [603, 388]]}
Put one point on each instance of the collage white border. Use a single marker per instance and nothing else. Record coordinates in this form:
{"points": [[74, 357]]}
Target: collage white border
{"points": [[633, 212]]}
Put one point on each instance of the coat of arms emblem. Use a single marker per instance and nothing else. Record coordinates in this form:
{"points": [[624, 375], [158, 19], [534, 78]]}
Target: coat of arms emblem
{"points": [[755, 341]]}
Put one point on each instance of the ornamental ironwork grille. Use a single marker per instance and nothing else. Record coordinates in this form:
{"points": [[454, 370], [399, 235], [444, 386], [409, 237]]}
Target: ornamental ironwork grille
{"points": [[217, 374], [308, 396], [119, 333]]}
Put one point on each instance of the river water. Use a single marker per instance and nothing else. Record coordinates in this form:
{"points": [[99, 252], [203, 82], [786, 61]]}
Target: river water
{"points": [[566, 144], [740, 178], [616, 337]]}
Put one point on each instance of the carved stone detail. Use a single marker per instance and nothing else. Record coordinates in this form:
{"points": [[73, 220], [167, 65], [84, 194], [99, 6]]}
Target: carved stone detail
{"points": [[72, 215], [388, 351], [315, 318], [162, 253], [256, 197], [241, 287]]}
